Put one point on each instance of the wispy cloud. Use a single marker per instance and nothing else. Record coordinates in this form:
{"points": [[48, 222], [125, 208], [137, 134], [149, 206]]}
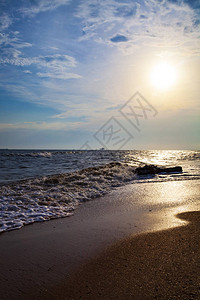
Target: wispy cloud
{"points": [[11, 42], [39, 6], [59, 75], [40, 125], [57, 66], [71, 117], [167, 24], [27, 72], [5, 21], [195, 4], [53, 66], [72, 113], [19, 90]]}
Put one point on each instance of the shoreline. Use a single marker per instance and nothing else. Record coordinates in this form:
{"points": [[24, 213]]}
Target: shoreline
{"points": [[40, 256]]}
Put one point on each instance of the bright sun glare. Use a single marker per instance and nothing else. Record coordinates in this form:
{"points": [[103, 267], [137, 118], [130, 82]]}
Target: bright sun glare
{"points": [[163, 76]]}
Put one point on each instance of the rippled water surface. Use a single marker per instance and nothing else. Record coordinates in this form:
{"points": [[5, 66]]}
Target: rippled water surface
{"points": [[41, 185], [22, 164]]}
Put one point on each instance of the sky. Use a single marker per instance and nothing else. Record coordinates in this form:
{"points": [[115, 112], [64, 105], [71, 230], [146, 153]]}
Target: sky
{"points": [[78, 74]]}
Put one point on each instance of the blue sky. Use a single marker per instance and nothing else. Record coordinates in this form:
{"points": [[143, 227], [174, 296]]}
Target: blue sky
{"points": [[67, 67]]}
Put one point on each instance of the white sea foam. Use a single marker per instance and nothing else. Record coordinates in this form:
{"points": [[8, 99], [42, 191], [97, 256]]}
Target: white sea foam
{"points": [[57, 196]]}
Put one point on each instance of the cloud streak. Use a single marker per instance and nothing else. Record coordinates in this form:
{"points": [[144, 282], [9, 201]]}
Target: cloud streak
{"points": [[41, 6], [10, 44], [54, 66], [39, 125]]}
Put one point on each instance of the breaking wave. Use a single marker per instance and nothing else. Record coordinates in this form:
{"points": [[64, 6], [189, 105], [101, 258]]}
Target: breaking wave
{"points": [[57, 196]]}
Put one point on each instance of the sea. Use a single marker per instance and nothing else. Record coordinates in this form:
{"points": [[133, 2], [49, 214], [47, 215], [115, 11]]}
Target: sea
{"points": [[39, 185]]}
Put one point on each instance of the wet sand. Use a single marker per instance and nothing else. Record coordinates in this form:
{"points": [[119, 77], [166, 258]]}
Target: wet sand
{"points": [[39, 261], [161, 265]]}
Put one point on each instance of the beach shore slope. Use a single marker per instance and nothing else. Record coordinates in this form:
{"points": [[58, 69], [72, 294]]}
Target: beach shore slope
{"points": [[159, 265], [126, 245]]}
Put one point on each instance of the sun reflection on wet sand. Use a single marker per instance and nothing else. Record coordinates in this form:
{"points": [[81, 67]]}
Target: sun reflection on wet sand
{"points": [[166, 218], [157, 205], [172, 199]]}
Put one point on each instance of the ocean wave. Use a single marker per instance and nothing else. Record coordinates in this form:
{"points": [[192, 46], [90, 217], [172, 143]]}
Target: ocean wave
{"points": [[29, 154], [190, 156], [57, 196]]}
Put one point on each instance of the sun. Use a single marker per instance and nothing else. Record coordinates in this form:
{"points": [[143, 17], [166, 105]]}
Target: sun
{"points": [[163, 76]]}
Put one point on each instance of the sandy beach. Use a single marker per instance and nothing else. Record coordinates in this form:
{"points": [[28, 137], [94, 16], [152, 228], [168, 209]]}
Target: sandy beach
{"points": [[99, 150], [126, 245], [159, 265]]}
